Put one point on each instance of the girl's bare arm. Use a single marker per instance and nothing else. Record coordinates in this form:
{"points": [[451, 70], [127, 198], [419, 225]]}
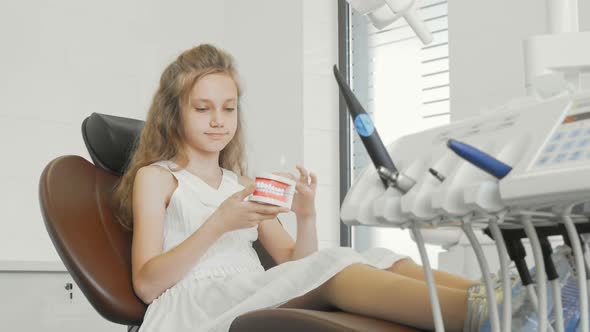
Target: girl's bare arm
{"points": [[154, 271]]}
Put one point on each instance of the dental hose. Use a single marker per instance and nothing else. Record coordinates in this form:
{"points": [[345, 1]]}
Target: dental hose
{"points": [[558, 307], [553, 278], [531, 293], [506, 284], [584, 246], [485, 270], [499, 170], [541, 281], [517, 254], [585, 250], [581, 270], [436, 312]]}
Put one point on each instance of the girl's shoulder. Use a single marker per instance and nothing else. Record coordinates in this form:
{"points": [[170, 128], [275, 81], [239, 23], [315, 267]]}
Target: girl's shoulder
{"points": [[167, 164], [162, 169], [153, 179]]}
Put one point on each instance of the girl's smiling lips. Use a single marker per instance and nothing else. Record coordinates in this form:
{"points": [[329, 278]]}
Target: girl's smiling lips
{"points": [[215, 135]]}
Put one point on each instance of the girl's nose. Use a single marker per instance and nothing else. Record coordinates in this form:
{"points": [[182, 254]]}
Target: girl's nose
{"points": [[216, 120], [216, 123]]}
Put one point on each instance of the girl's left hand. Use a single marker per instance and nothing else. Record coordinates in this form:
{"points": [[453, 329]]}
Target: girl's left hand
{"points": [[304, 199]]}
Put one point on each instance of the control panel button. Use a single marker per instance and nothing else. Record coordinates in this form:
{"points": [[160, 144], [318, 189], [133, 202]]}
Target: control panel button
{"points": [[558, 136], [567, 145], [575, 133], [576, 155], [584, 143], [542, 161], [552, 147], [560, 157]]}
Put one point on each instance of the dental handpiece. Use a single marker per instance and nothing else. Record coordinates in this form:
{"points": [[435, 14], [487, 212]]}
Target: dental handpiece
{"points": [[437, 175], [547, 252], [480, 159], [389, 174], [396, 179], [517, 254]]}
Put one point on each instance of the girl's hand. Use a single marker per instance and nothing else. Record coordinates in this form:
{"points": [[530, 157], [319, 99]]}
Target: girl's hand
{"points": [[235, 213], [304, 199]]}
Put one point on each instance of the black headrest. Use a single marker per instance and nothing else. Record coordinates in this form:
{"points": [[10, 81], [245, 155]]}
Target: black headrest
{"points": [[110, 140]]}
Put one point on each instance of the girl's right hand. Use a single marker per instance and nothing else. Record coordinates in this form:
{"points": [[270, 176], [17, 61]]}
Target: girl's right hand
{"points": [[235, 213]]}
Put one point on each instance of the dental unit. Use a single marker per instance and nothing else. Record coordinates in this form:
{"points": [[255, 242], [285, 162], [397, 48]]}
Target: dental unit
{"points": [[469, 191], [516, 171]]}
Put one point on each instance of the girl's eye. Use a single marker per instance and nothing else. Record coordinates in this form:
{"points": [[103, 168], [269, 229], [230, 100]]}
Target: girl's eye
{"points": [[201, 109], [230, 109]]}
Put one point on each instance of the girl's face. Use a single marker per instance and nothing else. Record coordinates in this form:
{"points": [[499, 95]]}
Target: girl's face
{"points": [[211, 117]]}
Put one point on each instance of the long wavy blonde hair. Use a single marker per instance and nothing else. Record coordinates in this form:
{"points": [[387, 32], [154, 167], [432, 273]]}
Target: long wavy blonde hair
{"points": [[162, 136]]}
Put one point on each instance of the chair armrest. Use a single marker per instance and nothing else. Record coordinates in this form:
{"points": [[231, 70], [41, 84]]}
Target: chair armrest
{"points": [[286, 320]]}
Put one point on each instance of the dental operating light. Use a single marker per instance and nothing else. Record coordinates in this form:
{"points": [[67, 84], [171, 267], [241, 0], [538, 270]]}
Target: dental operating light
{"points": [[382, 13]]}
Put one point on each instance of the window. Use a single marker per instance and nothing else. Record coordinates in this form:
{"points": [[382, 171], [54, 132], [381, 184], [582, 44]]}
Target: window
{"points": [[404, 86]]}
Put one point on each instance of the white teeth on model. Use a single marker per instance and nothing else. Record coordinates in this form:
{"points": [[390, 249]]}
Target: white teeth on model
{"points": [[267, 187], [271, 192]]}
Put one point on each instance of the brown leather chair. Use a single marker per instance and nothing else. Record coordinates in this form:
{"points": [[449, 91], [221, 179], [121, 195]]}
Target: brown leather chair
{"points": [[74, 196]]}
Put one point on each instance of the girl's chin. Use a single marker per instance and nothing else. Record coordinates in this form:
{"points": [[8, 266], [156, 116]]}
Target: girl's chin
{"points": [[214, 147], [209, 147]]}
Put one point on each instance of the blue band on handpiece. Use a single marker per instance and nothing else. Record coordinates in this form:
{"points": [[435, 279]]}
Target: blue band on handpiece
{"points": [[364, 125]]}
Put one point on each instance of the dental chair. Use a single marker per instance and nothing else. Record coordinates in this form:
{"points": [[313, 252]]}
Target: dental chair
{"points": [[75, 196]]}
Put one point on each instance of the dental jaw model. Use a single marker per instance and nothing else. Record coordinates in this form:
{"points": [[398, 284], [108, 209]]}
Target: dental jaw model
{"points": [[273, 189]]}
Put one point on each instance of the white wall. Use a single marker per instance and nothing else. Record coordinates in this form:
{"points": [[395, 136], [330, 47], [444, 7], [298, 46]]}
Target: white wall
{"points": [[486, 52], [63, 60], [265, 37], [320, 113]]}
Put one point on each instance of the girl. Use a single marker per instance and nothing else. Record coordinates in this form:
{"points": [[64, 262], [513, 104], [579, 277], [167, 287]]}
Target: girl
{"points": [[192, 258]]}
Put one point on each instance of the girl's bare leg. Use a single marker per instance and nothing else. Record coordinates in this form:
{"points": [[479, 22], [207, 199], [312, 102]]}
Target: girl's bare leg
{"points": [[408, 268], [368, 291]]}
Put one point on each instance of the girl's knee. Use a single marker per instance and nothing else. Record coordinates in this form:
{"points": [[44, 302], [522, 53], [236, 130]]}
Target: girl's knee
{"points": [[351, 271], [401, 264]]}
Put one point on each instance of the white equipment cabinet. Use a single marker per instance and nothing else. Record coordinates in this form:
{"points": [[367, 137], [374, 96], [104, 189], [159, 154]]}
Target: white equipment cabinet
{"points": [[42, 296]]}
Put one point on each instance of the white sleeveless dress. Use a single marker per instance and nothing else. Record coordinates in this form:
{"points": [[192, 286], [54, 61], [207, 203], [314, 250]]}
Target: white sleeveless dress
{"points": [[229, 280]]}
